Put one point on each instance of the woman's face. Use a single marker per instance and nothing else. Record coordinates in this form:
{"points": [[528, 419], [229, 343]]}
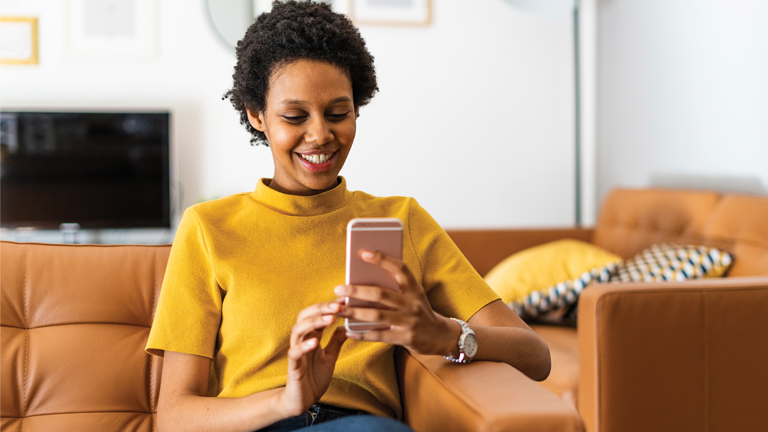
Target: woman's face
{"points": [[310, 123]]}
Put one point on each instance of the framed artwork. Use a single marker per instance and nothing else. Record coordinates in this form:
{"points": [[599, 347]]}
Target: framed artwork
{"points": [[18, 40], [111, 29], [391, 12]]}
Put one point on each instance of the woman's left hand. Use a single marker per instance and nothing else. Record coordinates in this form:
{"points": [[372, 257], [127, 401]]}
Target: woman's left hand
{"points": [[413, 323]]}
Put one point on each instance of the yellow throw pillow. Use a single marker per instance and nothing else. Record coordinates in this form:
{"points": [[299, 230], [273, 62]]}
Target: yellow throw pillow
{"points": [[543, 266]]}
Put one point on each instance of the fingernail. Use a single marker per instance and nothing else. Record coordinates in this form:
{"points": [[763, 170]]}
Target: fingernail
{"points": [[328, 318], [339, 290], [367, 254]]}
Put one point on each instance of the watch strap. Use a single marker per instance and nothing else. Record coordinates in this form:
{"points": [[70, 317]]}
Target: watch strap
{"points": [[465, 330]]}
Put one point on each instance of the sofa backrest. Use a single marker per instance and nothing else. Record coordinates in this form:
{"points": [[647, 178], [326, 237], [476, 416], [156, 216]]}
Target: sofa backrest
{"points": [[630, 220], [739, 224], [74, 322]]}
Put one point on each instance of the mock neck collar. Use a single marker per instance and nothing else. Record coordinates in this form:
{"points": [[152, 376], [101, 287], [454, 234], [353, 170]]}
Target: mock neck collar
{"points": [[298, 205]]}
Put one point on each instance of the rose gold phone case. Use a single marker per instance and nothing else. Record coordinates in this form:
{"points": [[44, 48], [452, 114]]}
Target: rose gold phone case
{"points": [[373, 234]]}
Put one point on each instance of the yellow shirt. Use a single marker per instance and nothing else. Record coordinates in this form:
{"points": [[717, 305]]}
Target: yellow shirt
{"points": [[242, 267]]}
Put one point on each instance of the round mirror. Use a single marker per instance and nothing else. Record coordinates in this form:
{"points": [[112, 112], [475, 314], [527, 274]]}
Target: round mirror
{"points": [[230, 19]]}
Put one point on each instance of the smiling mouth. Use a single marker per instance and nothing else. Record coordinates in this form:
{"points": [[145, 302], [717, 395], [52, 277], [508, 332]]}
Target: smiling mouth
{"points": [[317, 158], [319, 162]]}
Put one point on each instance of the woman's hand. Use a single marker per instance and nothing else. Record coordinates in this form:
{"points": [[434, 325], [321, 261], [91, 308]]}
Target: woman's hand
{"points": [[310, 367], [413, 323]]}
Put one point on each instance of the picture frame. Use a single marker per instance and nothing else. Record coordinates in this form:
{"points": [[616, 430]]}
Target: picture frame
{"points": [[18, 40], [111, 30], [391, 12]]}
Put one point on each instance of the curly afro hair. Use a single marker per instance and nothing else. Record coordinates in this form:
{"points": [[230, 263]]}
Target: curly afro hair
{"points": [[296, 30]]}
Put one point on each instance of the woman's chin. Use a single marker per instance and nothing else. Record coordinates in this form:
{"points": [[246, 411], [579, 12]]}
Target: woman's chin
{"points": [[319, 185]]}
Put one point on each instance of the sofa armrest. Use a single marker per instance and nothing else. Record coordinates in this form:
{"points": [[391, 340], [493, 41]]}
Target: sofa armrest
{"points": [[439, 395], [487, 247], [674, 356]]}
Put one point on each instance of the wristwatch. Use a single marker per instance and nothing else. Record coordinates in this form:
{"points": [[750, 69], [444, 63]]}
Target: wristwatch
{"points": [[467, 344]]}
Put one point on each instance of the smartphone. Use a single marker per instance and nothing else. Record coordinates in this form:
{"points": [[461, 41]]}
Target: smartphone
{"points": [[372, 234]]}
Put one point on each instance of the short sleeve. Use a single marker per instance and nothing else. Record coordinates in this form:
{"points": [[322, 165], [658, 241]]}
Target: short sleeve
{"points": [[453, 286], [188, 312]]}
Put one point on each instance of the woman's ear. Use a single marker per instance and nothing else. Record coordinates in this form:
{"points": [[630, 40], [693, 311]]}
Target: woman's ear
{"points": [[256, 119]]}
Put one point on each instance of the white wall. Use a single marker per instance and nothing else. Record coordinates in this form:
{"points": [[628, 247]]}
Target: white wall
{"points": [[683, 93], [474, 117]]}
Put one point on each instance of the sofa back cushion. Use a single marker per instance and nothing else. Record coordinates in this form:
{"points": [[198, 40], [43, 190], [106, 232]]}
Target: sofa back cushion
{"points": [[74, 322], [630, 220], [739, 224]]}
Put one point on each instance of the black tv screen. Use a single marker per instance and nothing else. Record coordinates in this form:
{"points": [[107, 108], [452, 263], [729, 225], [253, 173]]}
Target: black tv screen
{"points": [[97, 169]]}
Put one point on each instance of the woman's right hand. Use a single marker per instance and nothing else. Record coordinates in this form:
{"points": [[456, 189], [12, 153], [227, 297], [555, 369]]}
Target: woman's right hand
{"points": [[310, 367]]}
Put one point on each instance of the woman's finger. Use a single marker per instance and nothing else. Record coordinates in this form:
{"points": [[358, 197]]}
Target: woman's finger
{"points": [[370, 293], [399, 270], [319, 309], [309, 325], [392, 336], [333, 348], [373, 315], [296, 353]]}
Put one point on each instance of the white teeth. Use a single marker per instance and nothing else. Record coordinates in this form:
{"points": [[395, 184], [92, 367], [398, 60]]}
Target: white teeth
{"points": [[316, 158]]}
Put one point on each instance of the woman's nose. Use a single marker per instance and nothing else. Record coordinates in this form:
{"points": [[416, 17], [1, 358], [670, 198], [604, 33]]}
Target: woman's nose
{"points": [[318, 131]]}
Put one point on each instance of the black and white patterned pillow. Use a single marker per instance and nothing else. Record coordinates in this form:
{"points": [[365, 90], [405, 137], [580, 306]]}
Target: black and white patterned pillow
{"points": [[666, 262]]}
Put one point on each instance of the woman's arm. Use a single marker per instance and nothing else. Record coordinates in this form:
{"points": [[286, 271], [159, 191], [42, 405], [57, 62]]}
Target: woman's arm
{"points": [[184, 405], [501, 334]]}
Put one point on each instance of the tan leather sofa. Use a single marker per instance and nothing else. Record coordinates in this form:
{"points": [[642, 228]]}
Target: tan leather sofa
{"points": [[75, 320], [687, 356]]}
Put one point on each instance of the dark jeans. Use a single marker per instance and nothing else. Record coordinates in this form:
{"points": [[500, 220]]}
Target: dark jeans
{"points": [[326, 418]]}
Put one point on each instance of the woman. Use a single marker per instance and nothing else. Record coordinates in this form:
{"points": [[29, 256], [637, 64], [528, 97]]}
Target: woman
{"points": [[250, 316]]}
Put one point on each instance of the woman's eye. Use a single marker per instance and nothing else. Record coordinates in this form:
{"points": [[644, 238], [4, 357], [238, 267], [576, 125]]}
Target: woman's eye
{"points": [[338, 116], [295, 119]]}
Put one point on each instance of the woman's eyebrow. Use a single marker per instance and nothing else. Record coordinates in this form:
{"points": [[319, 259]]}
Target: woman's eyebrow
{"points": [[301, 102], [341, 99]]}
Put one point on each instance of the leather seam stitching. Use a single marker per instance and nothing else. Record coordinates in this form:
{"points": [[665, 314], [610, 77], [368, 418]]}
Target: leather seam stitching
{"points": [[87, 245], [26, 337], [76, 323], [706, 358], [79, 412], [152, 358], [598, 383]]}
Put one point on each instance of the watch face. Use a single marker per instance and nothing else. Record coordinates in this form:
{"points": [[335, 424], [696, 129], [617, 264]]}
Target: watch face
{"points": [[470, 345]]}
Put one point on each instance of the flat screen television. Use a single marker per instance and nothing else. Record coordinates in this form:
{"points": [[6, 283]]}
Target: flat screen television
{"points": [[98, 169]]}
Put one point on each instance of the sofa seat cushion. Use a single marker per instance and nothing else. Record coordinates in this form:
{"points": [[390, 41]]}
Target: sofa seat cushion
{"points": [[563, 344]]}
